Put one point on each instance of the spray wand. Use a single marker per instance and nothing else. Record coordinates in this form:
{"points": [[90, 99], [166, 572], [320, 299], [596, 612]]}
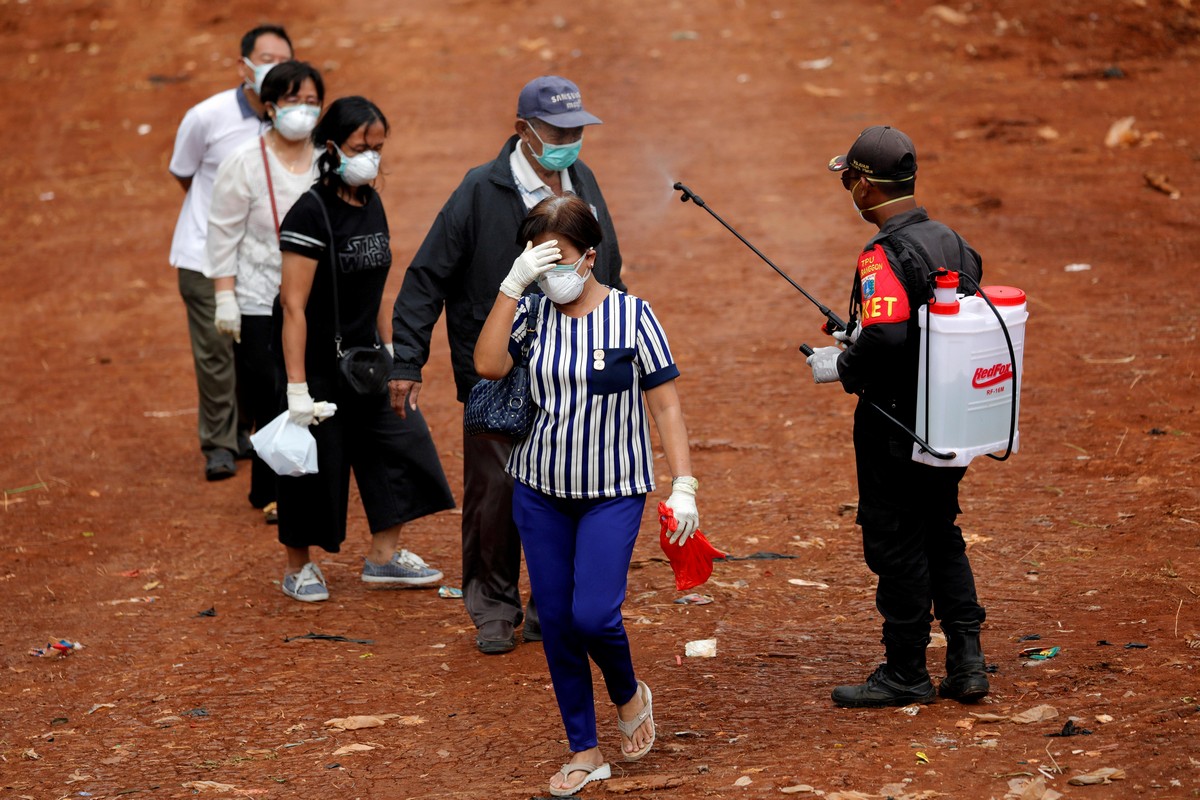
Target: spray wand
{"points": [[832, 322]]}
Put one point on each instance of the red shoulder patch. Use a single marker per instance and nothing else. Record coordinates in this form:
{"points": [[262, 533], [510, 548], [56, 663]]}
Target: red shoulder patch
{"points": [[883, 296]]}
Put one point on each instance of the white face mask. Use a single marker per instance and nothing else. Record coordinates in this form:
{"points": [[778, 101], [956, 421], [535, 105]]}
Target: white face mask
{"points": [[564, 286], [296, 122], [862, 211], [260, 72], [360, 169]]}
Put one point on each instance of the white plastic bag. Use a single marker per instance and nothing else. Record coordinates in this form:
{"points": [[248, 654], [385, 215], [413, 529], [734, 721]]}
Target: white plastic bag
{"points": [[288, 448]]}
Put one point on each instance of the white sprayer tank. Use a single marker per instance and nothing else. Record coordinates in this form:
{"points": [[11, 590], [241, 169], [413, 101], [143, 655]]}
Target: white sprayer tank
{"points": [[971, 389]]}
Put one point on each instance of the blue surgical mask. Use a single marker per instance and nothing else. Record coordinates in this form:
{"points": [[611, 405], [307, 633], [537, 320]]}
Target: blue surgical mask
{"points": [[556, 157]]}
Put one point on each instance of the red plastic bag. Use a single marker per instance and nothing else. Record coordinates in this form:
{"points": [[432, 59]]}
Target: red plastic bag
{"points": [[692, 563]]}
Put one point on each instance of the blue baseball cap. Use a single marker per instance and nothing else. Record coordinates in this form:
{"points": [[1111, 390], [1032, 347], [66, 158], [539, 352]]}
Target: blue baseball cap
{"points": [[555, 101]]}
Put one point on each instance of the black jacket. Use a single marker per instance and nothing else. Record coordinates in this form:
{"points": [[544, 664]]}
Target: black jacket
{"points": [[882, 365], [466, 254]]}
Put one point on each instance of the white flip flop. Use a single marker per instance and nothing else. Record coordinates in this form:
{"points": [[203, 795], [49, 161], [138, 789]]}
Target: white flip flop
{"points": [[628, 729], [594, 773]]}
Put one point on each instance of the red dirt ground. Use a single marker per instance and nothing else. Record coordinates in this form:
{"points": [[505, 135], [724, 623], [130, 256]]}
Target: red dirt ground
{"points": [[1089, 534]]}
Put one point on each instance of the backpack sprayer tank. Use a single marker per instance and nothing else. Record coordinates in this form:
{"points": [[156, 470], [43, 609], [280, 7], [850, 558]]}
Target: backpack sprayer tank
{"points": [[968, 383]]}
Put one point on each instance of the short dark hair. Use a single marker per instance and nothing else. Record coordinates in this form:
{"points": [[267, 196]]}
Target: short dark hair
{"points": [[285, 79], [251, 38], [565, 216], [343, 117]]}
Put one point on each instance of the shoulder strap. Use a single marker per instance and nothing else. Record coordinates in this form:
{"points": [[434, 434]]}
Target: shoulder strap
{"points": [[337, 322], [929, 267], [262, 141], [533, 318]]}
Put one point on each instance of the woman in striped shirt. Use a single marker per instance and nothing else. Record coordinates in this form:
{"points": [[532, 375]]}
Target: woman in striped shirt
{"points": [[582, 475]]}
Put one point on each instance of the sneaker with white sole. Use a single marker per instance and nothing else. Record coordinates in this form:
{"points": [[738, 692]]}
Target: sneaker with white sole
{"points": [[405, 568], [307, 585]]}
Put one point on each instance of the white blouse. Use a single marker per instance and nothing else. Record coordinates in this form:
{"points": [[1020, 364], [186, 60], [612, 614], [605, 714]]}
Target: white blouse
{"points": [[242, 241]]}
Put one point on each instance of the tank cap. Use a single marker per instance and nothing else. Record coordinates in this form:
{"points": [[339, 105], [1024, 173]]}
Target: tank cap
{"points": [[1005, 295], [945, 292], [946, 280]]}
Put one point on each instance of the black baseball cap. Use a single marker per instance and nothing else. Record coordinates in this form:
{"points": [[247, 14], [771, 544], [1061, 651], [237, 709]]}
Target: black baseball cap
{"points": [[880, 153]]}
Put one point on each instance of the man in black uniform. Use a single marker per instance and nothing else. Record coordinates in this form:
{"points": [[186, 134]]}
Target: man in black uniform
{"points": [[906, 509], [466, 254]]}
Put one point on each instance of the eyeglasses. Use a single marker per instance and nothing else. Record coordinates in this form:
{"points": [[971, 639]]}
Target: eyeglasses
{"points": [[568, 267], [849, 178]]}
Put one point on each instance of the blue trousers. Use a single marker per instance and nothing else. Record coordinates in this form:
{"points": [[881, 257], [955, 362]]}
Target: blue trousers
{"points": [[577, 553]]}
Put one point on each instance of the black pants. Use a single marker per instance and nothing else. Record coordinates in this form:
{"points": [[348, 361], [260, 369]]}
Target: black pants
{"points": [[259, 395], [395, 466], [907, 512], [491, 546]]}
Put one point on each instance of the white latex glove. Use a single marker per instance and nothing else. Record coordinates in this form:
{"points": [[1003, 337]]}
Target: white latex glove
{"points": [[228, 319], [683, 502], [301, 408], [824, 364], [848, 337], [323, 410], [528, 266]]}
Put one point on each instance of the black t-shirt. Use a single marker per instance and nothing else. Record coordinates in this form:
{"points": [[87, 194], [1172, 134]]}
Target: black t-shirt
{"points": [[363, 253]]}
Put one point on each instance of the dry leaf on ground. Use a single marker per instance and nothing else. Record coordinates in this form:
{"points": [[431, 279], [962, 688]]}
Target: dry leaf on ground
{"points": [[1099, 776], [358, 722], [1035, 714]]}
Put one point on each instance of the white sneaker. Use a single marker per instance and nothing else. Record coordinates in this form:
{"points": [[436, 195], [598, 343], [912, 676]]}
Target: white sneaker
{"points": [[307, 585]]}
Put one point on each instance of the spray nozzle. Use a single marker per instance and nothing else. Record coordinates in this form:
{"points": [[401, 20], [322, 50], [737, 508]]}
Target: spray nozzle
{"points": [[688, 194]]}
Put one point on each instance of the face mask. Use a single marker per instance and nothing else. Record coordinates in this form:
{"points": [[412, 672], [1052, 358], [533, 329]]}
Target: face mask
{"points": [[853, 201], [360, 169], [564, 286], [556, 157], [296, 122], [260, 72], [862, 211]]}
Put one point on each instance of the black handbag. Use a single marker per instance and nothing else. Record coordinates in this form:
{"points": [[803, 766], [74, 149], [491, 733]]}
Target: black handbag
{"points": [[364, 369], [504, 409]]}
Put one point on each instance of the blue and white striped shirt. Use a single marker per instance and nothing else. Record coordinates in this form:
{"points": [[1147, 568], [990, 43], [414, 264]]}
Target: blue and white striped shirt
{"points": [[591, 435]]}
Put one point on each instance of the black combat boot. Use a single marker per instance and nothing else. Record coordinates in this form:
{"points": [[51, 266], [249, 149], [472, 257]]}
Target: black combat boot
{"points": [[902, 681], [966, 679]]}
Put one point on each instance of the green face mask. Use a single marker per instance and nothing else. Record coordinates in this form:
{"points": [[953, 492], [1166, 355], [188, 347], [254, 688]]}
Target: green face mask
{"points": [[556, 157]]}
